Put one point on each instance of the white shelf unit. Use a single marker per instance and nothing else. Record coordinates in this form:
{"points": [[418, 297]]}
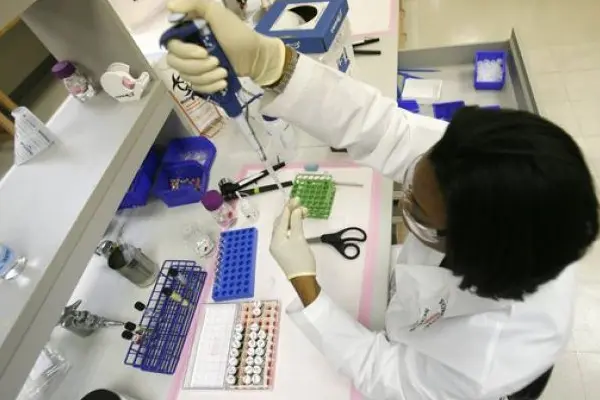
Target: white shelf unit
{"points": [[56, 208]]}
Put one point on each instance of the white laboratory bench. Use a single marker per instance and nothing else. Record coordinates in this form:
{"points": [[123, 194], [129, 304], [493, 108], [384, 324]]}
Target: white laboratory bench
{"points": [[97, 361]]}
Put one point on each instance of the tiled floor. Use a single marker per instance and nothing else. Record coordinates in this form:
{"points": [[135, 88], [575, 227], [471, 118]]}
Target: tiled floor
{"points": [[561, 41]]}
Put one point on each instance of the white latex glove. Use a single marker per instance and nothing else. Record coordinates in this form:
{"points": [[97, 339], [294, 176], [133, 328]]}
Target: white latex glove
{"points": [[288, 244], [251, 54]]}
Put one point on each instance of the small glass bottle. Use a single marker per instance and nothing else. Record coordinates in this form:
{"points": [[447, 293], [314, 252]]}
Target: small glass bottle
{"points": [[222, 212], [79, 85], [11, 265]]}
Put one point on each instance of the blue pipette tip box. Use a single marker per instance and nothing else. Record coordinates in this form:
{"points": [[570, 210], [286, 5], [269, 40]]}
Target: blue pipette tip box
{"points": [[323, 18], [236, 265]]}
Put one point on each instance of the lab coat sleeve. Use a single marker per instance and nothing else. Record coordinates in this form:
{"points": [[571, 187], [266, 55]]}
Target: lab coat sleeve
{"points": [[346, 113], [379, 369]]}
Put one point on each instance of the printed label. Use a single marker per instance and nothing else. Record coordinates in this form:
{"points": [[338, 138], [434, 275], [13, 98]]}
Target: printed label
{"points": [[430, 317]]}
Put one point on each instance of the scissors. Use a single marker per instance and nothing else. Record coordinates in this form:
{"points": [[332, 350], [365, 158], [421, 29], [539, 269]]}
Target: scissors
{"points": [[344, 241]]}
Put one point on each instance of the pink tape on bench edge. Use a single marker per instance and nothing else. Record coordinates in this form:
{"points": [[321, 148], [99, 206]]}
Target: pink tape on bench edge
{"points": [[366, 297]]}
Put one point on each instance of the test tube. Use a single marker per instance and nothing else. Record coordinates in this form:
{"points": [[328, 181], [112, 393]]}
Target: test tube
{"points": [[173, 295], [178, 276]]}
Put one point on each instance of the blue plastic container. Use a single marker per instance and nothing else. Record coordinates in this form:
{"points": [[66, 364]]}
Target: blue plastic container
{"points": [[409, 105], [191, 156], [185, 158], [185, 194], [490, 55], [446, 110], [139, 191], [236, 264]]}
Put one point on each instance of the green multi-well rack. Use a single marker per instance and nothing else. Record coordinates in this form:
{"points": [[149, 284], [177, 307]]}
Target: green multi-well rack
{"points": [[316, 192]]}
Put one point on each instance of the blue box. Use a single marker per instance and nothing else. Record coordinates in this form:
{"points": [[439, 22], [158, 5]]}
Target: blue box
{"points": [[330, 14], [190, 156], [185, 158], [139, 191], [236, 265], [490, 55], [446, 110], [409, 105], [185, 194]]}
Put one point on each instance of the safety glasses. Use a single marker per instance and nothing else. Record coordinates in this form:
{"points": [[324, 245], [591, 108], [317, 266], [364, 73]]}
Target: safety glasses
{"points": [[413, 215]]}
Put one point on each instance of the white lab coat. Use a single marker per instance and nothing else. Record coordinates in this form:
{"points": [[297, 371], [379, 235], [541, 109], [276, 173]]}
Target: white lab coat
{"points": [[439, 342]]}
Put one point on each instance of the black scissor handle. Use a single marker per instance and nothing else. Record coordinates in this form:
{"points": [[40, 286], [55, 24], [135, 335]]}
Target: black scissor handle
{"points": [[349, 251], [362, 235]]}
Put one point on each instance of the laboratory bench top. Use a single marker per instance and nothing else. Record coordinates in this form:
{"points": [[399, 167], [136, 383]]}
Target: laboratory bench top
{"points": [[97, 361]]}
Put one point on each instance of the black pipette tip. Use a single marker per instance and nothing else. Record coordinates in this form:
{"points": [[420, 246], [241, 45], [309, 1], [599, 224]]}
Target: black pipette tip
{"points": [[167, 291], [139, 306], [130, 326], [127, 335]]}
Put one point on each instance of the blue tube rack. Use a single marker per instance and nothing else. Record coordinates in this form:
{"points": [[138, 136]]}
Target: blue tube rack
{"points": [[165, 321], [236, 265]]}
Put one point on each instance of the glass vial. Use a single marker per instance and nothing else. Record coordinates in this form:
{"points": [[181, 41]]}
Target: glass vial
{"points": [[79, 85], [198, 239], [11, 265], [222, 212]]}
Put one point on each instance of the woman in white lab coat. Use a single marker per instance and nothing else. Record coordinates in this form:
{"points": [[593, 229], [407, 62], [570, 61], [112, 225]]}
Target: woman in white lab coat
{"points": [[499, 204]]}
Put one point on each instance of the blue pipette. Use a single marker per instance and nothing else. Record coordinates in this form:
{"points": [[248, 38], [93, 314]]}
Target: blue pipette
{"points": [[198, 32]]}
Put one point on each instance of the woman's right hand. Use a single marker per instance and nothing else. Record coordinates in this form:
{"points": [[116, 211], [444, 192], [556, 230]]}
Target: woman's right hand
{"points": [[251, 54]]}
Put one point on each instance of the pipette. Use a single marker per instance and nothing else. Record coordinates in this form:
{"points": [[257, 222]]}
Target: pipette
{"points": [[198, 32]]}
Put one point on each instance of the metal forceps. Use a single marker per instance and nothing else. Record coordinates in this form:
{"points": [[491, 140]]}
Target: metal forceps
{"points": [[344, 241]]}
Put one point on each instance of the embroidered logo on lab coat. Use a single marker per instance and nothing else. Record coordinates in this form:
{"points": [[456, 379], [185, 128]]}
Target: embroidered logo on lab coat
{"points": [[429, 316]]}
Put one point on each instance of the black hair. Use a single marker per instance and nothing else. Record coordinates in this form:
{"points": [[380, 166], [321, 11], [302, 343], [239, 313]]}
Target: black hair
{"points": [[520, 200]]}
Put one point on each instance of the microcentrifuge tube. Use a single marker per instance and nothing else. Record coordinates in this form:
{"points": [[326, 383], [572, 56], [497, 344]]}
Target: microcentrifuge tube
{"points": [[253, 335], [256, 379], [259, 351], [251, 351], [247, 379], [249, 360], [258, 360]]}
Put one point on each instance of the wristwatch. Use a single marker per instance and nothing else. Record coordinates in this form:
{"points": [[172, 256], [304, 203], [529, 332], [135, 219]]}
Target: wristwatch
{"points": [[291, 60]]}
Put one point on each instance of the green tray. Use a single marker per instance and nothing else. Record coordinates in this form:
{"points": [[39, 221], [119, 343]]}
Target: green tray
{"points": [[316, 193]]}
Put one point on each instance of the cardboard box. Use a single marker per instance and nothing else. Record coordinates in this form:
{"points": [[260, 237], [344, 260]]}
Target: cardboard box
{"points": [[318, 24]]}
